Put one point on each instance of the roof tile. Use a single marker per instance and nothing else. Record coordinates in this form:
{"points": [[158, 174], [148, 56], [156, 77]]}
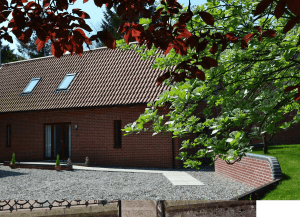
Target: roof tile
{"points": [[104, 77]]}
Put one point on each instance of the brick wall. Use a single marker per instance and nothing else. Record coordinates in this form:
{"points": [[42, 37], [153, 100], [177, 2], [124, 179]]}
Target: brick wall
{"points": [[253, 169], [95, 137]]}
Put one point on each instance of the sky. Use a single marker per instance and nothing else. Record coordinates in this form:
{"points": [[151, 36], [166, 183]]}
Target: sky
{"points": [[96, 17]]}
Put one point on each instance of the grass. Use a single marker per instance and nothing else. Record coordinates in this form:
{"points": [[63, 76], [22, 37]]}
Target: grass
{"points": [[288, 157]]}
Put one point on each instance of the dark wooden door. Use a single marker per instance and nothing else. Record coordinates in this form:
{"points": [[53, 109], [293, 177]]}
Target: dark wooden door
{"points": [[59, 142], [62, 141]]}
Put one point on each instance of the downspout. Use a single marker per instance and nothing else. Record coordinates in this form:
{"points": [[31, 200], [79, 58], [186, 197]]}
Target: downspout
{"points": [[173, 158]]}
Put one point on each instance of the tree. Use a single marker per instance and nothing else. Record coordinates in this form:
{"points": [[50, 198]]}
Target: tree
{"points": [[31, 48], [95, 44], [235, 108], [7, 55], [112, 22], [270, 102], [161, 35]]}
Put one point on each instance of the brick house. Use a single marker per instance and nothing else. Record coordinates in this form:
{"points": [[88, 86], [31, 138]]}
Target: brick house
{"points": [[76, 107]]}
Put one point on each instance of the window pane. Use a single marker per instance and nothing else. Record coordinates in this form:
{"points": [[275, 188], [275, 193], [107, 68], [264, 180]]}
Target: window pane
{"points": [[66, 81], [31, 85]]}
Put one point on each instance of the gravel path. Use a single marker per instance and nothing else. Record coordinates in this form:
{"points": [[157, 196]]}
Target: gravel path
{"points": [[42, 185]]}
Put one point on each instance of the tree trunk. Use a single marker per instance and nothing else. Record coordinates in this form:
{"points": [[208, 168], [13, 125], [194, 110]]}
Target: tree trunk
{"points": [[265, 144]]}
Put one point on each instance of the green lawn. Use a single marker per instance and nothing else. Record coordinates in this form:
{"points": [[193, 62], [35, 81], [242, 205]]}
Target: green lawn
{"points": [[288, 157]]}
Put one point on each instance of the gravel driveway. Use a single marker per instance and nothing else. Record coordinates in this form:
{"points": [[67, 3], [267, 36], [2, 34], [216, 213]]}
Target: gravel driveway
{"points": [[34, 184]]}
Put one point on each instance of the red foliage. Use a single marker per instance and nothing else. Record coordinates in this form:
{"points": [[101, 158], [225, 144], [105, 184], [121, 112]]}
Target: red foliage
{"points": [[207, 18], [46, 3], [279, 10], [294, 6], [80, 13], [290, 24], [290, 88], [262, 6]]}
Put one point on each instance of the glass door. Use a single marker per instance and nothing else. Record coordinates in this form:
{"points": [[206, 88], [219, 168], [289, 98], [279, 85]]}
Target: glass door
{"points": [[48, 141], [60, 134]]}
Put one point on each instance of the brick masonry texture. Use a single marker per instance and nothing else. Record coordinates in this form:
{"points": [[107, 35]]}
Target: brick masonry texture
{"points": [[253, 169]]}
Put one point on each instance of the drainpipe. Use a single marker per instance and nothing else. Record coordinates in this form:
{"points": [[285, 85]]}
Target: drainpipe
{"points": [[173, 160]]}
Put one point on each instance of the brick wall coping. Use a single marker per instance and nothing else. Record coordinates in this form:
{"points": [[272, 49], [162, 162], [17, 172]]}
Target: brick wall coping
{"points": [[39, 166], [274, 164]]}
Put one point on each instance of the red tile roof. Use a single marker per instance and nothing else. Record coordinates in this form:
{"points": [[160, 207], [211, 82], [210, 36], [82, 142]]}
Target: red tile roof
{"points": [[104, 77]]}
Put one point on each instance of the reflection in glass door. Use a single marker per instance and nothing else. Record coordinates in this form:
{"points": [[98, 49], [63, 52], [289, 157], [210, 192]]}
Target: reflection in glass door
{"points": [[48, 141]]}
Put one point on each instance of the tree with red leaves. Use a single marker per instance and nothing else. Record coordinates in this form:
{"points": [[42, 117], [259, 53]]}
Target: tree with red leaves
{"points": [[112, 21], [65, 38]]}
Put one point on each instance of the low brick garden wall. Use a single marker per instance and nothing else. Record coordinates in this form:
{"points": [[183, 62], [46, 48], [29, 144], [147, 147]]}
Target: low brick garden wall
{"points": [[39, 166], [253, 169]]}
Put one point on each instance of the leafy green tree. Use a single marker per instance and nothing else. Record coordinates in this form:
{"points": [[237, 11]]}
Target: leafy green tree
{"points": [[30, 50], [250, 83], [7, 55]]}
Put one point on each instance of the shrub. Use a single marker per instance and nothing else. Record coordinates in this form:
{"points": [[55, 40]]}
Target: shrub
{"points": [[57, 161], [13, 161]]}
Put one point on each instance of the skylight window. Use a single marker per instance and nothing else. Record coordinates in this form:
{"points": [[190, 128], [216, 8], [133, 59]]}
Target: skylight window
{"points": [[66, 81], [31, 85]]}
